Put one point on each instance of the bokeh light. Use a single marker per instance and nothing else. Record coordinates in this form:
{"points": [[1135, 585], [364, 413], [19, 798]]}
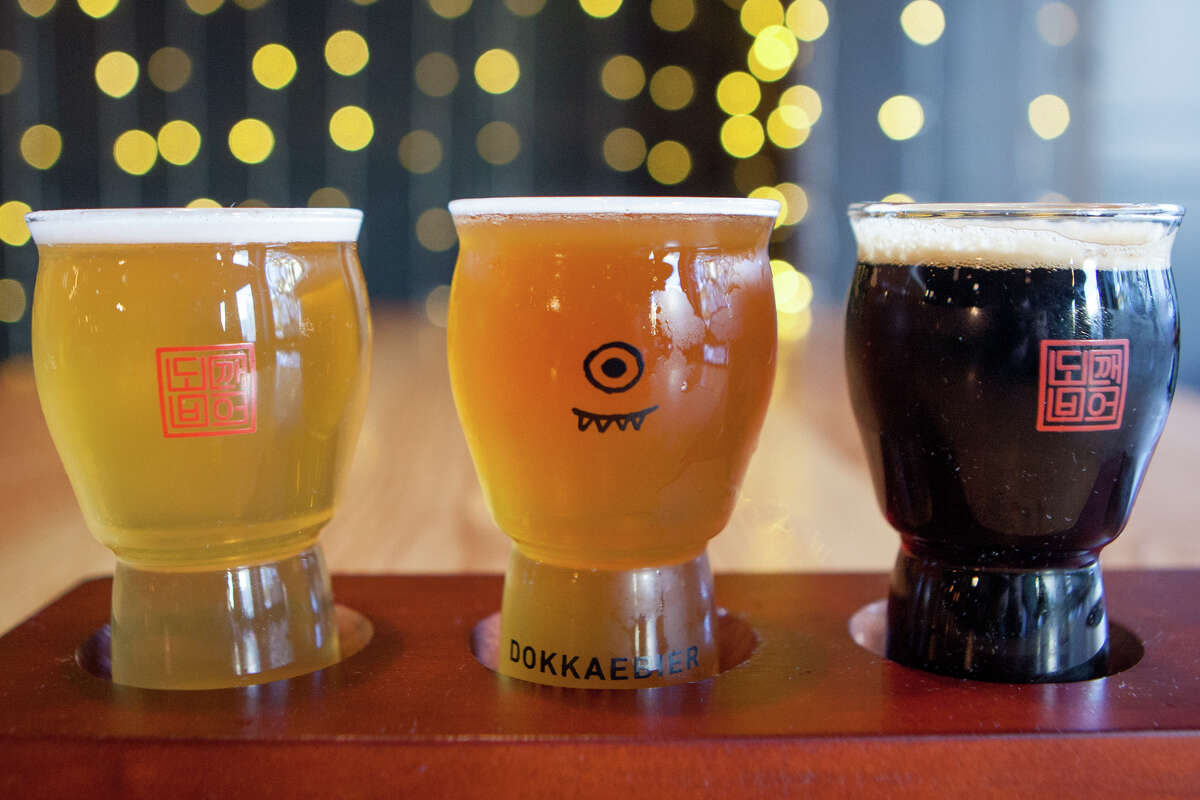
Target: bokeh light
{"points": [[251, 141], [525, 8], [178, 142], [600, 8], [13, 229], [97, 9], [762, 71], [793, 289], [771, 193], [274, 65], [672, 15], [897, 197], [328, 197], [622, 77], [1049, 116], [436, 74], [36, 8], [250, 5], [624, 149], [203, 202], [450, 9], [775, 48], [169, 68], [437, 305], [135, 151], [672, 88], [435, 230], [803, 98], [498, 143], [13, 300], [796, 208], [901, 117], [10, 71], [41, 145], [420, 151], [253, 202], [346, 52], [738, 93], [758, 14], [923, 21], [497, 71], [742, 136], [204, 7], [669, 162], [1057, 24], [807, 19], [116, 73], [351, 128], [787, 127]]}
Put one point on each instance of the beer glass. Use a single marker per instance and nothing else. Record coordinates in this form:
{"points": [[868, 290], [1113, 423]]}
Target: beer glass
{"points": [[611, 360], [203, 376], [1010, 369]]}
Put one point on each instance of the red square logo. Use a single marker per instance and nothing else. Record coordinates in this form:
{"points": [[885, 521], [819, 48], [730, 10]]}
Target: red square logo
{"points": [[1081, 384], [209, 390]]}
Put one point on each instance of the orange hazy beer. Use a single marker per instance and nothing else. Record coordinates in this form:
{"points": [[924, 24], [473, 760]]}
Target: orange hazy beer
{"points": [[203, 376], [611, 360]]}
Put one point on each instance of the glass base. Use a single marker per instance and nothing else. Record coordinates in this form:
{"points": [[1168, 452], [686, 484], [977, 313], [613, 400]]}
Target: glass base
{"points": [[220, 628], [1009, 625], [608, 629]]}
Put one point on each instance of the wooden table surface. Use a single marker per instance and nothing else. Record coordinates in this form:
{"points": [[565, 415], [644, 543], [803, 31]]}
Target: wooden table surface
{"points": [[413, 505]]}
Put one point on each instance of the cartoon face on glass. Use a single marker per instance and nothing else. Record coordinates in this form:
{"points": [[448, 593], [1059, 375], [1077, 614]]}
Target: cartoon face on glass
{"points": [[613, 368]]}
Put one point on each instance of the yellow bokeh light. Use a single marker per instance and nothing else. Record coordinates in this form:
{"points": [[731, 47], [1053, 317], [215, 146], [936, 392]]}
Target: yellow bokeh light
{"points": [[797, 203], [624, 149], [178, 142], [1049, 116], [794, 327], [169, 68], [135, 152], [498, 143], [41, 145], [923, 21], [13, 229], [622, 77], [346, 52], [450, 9], [204, 8], [804, 98], [525, 8], [807, 19], [435, 230], [328, 197], [762, 71], [364, 2], [1057, 24], [497, 71], [787, 127], [97, 9], [758, 14], [253, 202], [251, 141], [116, 73], [897, 197], [10, 71], [351, 128], [742, 136], [793, 289], [672, 15], [437, 306], [600, 8], [738, 93], [669, 162], [771, 193], [672, 88], [775, 47], [36, 8], [13, 300], [436, 74], [203, 202], [250, 5], [420, 151], [901, 117], [274, 65]]}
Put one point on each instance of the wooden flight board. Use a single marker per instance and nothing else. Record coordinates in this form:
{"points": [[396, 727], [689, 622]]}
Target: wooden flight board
{"points": [[414, 714]]}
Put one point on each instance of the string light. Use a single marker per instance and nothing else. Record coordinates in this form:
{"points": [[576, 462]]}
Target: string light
{"points": [[901, 117], [498, 143], [742, 136], [771, 193], [13, 229], [738, 93], [41, 145], [36, 8], [669, 162], [346, 52], [178, 142], [672, 15], [807, 19], [450, 9], [435, 230], [672, 88], [13, 301], [923, 21], [169, 68], [351, 128], [274, 65], [420, 151], [116, 73], [525, 8], [497, 71], [600, 8], [10, 71], [1049, 116], [251, 141], [758, 14], [622, 77], [328, 197], [897, 197], [1057, 24], [135, 152], [775, 48], [436, 74], [624, 149], [97, 9], [203, 202], [204, 7], [437, 305]]}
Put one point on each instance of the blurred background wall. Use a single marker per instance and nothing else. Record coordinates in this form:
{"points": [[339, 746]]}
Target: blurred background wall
{"points": [[398, 106]]}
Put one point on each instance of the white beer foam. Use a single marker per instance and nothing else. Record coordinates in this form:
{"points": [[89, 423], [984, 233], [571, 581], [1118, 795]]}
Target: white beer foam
{"points": [[194, 225], [1014, 242], [608, 206]]}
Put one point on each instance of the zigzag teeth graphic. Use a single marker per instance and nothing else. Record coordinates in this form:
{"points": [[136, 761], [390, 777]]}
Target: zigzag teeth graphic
{"points": [[605, 421], [585, 419]]}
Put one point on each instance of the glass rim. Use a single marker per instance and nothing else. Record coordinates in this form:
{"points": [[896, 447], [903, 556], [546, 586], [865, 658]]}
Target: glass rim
{"points": [[194, 225], [1168, 213], [614, 205]]}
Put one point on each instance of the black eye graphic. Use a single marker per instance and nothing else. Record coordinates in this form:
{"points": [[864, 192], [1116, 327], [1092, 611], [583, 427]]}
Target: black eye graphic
{"points": [[614, 367]]}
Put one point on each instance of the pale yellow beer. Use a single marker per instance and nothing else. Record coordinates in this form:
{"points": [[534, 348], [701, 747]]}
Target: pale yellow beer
{"points": [[611, 360], [203, 376]]}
